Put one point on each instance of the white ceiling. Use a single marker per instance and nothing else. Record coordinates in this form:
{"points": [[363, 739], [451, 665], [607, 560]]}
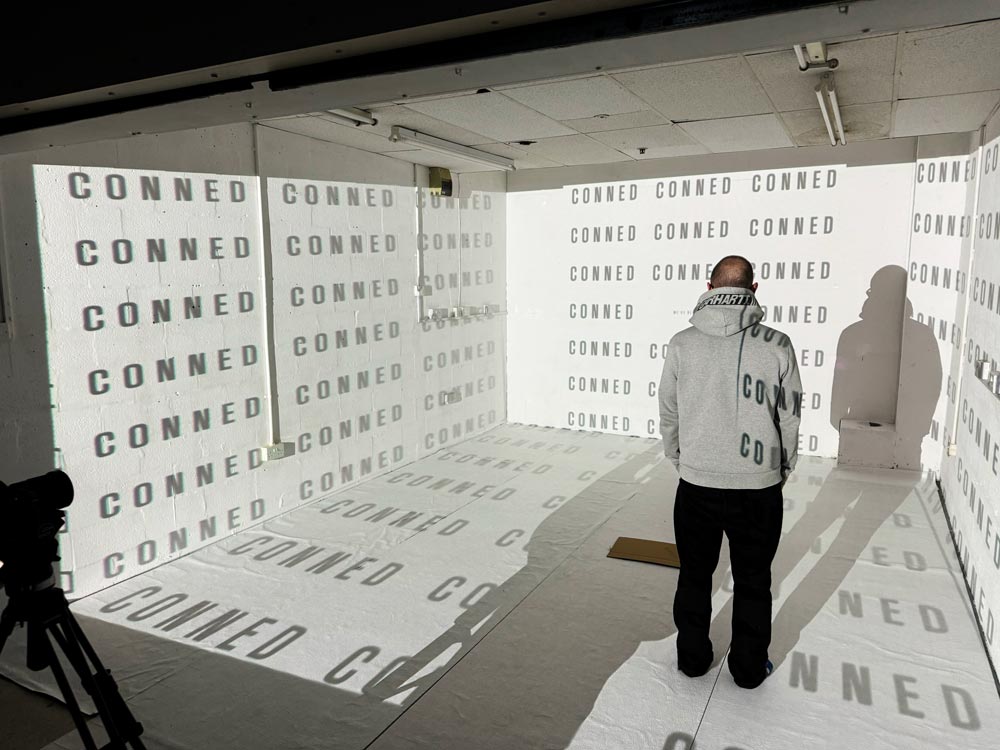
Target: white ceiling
{"points": [[941, 80]]}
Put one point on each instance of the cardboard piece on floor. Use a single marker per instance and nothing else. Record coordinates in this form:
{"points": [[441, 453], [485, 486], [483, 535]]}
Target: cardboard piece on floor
{"points": [[645, 550]]}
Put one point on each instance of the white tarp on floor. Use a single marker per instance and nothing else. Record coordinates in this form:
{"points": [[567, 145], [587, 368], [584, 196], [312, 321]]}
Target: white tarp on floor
{"points": [[874, 641], [503, 624]]}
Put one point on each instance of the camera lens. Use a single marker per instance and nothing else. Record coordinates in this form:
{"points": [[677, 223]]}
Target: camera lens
{"points": [[54, 489]]}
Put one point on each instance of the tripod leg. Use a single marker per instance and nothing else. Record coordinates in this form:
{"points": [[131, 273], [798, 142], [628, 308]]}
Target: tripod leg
{"points": [[120, 725], [67, 691], [121, 716]]}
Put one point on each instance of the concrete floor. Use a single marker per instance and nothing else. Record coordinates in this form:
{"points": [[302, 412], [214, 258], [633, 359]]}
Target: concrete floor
{"points": [[29, 720]]}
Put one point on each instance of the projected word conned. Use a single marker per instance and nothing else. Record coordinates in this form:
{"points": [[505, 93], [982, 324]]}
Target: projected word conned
{"points": [[156, 344]]}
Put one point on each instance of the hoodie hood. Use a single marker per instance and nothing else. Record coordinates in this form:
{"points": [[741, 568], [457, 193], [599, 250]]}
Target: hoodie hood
{"points": [[726, 310]]}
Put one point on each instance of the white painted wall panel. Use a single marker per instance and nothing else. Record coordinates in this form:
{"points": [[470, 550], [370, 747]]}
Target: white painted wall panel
{"points": [[155, 328], [941, 228], [970, 478], [816, 235], [98, 371]]}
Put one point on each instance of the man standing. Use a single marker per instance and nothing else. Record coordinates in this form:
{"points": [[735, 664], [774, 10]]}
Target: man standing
{"points": [[729, 416]]}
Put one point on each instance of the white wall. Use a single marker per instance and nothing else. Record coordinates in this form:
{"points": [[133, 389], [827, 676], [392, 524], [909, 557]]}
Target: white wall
{"points": [[971, 478], [167, 458], [814, 281], [25, 419], [941, 231], [462, 244]]}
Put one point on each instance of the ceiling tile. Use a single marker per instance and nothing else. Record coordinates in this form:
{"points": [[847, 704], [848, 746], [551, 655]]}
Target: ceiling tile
{"points": [[315, 126], [699, 91], [951, 60], [863, 74], [407, 99], [585, 97], [575, 149], [661, 137], [522, 156], [638, 119], [943, 114], [493, 115], [554, 79], [740, 133], [862, 122], [670, 152], [409, 118]]}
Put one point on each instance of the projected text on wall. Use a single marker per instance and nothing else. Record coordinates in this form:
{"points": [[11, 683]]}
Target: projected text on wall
{"points": [[156, 305], [614, 270], [153, 298]]}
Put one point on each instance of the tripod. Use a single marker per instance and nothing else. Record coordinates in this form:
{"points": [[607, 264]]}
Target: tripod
{"points": [[46, 613]]}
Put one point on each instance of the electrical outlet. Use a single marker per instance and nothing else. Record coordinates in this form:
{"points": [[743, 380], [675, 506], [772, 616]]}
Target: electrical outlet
{"points": [[952, 449], [454, 395], [278, 451]]}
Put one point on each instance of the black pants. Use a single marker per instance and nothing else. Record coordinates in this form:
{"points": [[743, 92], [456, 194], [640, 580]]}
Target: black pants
{"points": [[751, 519]]}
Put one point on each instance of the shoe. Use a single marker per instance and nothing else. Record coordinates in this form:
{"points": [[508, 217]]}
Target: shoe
{"points": [[695, 673], [768, 668], [696, 670]]}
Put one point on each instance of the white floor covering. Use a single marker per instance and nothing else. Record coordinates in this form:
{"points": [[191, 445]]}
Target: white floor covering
{"points": [[514, 630]]}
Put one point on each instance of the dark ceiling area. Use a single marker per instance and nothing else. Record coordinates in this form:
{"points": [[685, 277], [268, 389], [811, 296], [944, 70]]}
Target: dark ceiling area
{"points": [[91, 50], [89, 53], [615, 24]]}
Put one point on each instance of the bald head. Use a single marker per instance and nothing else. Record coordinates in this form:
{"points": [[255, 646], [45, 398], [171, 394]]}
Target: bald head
{"points": [[733, 270]]}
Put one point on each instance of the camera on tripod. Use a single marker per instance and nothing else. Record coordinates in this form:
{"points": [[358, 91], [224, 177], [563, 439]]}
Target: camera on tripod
{"points": [[31, 514]]}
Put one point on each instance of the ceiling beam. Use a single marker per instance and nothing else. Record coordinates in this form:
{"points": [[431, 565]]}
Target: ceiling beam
{"points": [[378, 77]]}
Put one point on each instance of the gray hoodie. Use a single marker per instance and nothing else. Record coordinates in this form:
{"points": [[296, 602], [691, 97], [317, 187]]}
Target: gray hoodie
{"points": [[730, 396]]}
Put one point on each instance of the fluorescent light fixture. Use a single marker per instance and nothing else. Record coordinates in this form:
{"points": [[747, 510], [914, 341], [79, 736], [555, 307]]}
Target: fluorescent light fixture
{"points": [[340, 120], [432, 143], [356, 116], [825, 86], [836, 112], [826, 114], [803, 65]]}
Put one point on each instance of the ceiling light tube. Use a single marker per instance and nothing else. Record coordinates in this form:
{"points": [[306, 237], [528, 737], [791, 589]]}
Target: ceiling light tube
{"points": [[836, 113], [432, 143], [341, 120], [826, 114], [803, 65], [356, 116]]}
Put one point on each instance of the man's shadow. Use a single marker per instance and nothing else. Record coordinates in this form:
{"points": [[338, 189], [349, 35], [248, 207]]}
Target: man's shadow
{"points": [[555, 538], [885, 353], [888, 368]]}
